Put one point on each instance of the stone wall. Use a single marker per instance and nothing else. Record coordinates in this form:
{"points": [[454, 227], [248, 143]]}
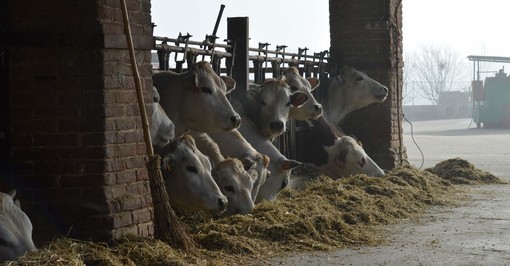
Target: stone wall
{"points": [[77, 147], [368, 35]]}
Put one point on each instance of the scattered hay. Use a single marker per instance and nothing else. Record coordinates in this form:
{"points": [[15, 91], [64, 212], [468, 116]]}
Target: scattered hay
{"points": [[323, 215], [128, 251], [460, 171]]}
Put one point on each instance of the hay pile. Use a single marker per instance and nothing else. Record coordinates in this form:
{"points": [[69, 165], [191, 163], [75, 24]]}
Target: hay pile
{"points": [[128, 251], [460, 171], [323, 215]]}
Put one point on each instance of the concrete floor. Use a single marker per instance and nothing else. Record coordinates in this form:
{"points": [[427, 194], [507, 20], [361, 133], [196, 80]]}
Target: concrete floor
{"points": [[476, 233]]}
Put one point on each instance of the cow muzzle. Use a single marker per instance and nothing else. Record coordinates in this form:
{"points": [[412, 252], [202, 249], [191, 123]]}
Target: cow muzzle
{"points": [[276, 126], [236, 120]]}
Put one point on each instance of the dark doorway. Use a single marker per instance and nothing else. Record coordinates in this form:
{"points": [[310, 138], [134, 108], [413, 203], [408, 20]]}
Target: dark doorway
{"points": [[4, 101]]}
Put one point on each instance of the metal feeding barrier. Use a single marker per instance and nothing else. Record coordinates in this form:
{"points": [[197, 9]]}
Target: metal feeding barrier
{"points": [[236, 59]]}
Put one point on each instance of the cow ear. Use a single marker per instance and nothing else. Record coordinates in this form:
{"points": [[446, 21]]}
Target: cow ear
{"points": [[17, 203], [254, 86], [359, 143], [155, 94], [290, 164], [298, 98], [229, 82], [192, 77], [314, 83], [188, 140], [346, 71], [252, 94], [266, 160], [12, 193], [168, 161]]}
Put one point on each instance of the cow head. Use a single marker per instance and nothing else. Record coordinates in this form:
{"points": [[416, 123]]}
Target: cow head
{"points": [[272, 102], [347, 157], [15, 229], [350, 90], [188, 179], [236, 184], [277, 179], [196, 100], [207, 106], [311, 109]]}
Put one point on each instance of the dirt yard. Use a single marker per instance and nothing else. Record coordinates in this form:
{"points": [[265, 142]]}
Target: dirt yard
{"points": [[475, 233]]}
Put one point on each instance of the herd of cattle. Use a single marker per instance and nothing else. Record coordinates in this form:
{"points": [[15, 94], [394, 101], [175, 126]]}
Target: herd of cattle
{"points": [[218, 154], [223, 156]]}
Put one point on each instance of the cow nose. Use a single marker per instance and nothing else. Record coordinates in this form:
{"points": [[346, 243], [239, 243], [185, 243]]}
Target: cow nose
{"points": [[318, 108], [236, 120], [385, 89], [222, 203], [276, 126]]}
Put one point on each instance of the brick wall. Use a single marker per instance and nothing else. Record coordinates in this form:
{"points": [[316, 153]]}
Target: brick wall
{"points": [[77, 145], [358, 40]]}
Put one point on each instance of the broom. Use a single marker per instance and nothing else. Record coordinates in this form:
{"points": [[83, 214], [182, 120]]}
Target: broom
{"points": [[167, 226]]}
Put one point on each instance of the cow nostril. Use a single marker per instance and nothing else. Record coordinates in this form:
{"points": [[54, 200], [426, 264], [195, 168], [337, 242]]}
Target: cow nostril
{"points": [[276, 125], [318, 107], [236, 120], [222, 203]]}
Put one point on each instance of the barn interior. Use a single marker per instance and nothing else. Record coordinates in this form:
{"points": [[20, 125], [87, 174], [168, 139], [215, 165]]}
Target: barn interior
{"points": [[71, 138]]}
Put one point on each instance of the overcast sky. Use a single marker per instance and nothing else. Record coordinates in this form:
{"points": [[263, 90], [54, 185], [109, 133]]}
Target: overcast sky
{"points": [[470, 26]]}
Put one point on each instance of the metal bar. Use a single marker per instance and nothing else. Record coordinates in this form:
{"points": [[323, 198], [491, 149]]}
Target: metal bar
{"points": [[198, 51], [166, 39]]}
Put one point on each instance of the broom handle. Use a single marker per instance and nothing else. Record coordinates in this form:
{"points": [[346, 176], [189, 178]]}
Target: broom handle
{"points": [[138, 83]]}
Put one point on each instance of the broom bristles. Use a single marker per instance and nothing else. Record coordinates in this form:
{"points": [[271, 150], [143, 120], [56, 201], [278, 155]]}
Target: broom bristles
{"points": [[167, 226]]}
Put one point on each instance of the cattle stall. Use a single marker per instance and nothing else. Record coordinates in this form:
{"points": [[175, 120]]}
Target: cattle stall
{"points": [[72, 143], [245, 64]]}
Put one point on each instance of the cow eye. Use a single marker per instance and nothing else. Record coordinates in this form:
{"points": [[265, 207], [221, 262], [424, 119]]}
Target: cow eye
{"points": [[289, 103], [229, 189], [293, 88], [262, 103], [359, 78], [207, 90], [363, 162], [192, 169]]}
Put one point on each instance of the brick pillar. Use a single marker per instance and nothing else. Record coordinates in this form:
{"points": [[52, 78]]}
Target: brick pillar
{"points": [[77, 145], [368, 36]]}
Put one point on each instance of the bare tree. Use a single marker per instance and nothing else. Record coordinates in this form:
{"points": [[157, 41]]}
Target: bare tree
{"points": [[435, 69], [409, 89]]}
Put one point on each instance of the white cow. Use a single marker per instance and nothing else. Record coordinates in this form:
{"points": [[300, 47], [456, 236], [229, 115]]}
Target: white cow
{"points": [[162, 128], [196, 100], [238, 181], [333, 153], [350, 90], [233, 144], [311, 109], [279, 166], [187, 175], [268, 105], [15, 229]]}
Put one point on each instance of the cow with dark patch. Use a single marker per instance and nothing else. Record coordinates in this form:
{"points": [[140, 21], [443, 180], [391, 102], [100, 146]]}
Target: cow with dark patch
{"points": [[333, 153]]}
